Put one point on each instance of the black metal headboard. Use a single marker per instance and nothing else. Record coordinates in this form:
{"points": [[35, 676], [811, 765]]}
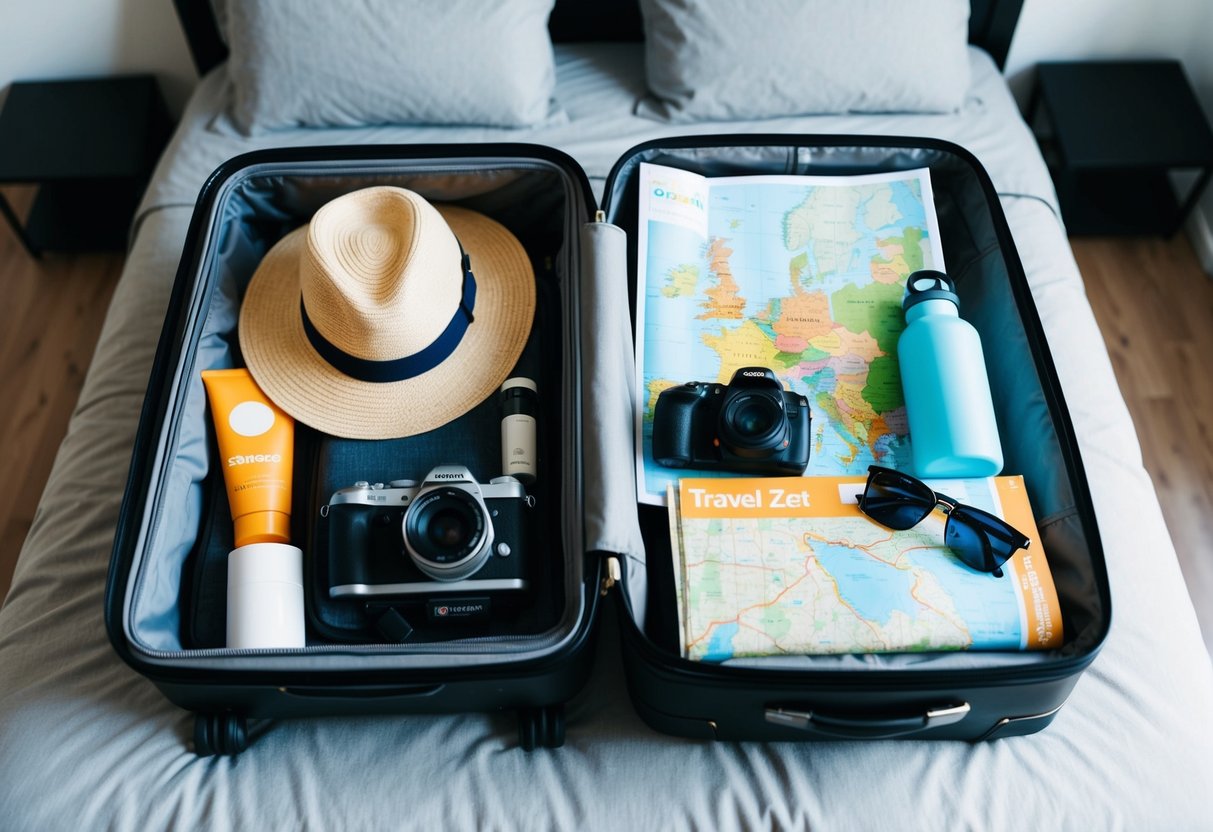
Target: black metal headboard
{"points": [[991, 25]]}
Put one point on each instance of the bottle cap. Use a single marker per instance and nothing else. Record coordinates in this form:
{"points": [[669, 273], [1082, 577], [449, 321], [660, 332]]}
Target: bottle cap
{"points": [[928, 284], [262, 527], [265, 597], [519, 381]]}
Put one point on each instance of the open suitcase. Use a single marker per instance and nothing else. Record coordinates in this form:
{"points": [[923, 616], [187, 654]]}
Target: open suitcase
{"points": [[165, 594]]}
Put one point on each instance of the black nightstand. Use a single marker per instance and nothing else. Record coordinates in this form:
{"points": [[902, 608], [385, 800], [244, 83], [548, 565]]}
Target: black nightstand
{"points": [[1117, 130], [90, 146]]}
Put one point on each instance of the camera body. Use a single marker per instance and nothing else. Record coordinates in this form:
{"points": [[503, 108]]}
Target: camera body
{"points": [[448, 535], [750, 425]]}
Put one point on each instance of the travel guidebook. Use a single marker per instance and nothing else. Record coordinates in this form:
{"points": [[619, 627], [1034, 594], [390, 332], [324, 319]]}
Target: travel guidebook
{"points": [[790, 565], [801, 274]]}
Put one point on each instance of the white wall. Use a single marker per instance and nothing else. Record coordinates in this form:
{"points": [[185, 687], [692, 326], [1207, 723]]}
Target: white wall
{"points": [[41, 39], [69, 38], [1060, 30]]}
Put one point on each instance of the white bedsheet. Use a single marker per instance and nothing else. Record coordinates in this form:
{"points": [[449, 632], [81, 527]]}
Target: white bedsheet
{"points": [[87, 743]]}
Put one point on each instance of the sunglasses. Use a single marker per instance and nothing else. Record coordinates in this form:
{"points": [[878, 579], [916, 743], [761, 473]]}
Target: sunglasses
{"points": [[981, 540]]}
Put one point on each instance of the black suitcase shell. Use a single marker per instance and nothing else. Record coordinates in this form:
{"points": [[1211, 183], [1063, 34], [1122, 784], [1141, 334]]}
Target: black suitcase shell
{"points": [[245, 206], [931, 699]]}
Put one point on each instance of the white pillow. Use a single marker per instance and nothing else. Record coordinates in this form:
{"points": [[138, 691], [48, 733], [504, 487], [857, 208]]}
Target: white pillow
{"points": [[740, 59], [313, 63]]}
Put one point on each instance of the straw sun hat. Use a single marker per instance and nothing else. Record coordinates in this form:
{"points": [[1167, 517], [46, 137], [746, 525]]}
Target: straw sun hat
{"points": [[363, 323]]}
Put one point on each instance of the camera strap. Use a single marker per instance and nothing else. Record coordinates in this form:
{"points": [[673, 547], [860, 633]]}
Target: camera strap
{"points": [[390, 624]]}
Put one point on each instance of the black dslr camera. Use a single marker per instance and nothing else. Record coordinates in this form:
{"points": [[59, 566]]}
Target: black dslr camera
{"points": [[448, 535], [749, 425]]}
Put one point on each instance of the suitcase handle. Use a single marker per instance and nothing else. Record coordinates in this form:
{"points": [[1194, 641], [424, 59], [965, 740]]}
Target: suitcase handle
{"points": [[364, 692], [874, 727]]}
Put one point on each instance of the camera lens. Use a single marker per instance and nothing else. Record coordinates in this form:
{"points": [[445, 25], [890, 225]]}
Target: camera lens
{"points": [[753, 424], [448, 530], [446, 534], [753, 418], [445, 528]]}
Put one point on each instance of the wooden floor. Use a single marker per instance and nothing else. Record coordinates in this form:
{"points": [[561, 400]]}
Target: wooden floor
{"points": [[1153, 303], [50, 317]]}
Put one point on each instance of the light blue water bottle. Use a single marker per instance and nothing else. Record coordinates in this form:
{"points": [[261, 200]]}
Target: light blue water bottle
{"points": [[947, 392]]}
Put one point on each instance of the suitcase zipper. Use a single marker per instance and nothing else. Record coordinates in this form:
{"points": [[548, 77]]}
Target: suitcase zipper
{"points": [[613, 570], [470, 647]]}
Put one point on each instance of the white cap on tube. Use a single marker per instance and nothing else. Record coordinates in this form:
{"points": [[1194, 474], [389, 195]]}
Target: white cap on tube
{"points": [[265, 596]]}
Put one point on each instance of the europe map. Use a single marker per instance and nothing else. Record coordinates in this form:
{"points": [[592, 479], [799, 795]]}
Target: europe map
{"points": [[804, 275]]}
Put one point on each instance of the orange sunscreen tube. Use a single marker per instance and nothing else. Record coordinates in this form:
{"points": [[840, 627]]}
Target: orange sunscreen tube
{"points": [[256, 443]]}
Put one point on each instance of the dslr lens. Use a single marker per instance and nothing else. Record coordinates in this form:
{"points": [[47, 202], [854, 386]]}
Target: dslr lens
{"points": [[448, 529], [445, 534], [753, 424], [753, 418]]}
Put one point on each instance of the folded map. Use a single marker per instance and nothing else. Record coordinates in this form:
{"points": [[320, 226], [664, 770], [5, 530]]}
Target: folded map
{"points": [[780, 566], [803, 275]]}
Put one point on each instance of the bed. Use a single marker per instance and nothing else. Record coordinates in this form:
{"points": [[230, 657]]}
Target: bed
{"points": [[85, 742]]}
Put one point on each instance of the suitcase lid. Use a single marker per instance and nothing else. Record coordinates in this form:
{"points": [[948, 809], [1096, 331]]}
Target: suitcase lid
{"points": [[1058, 487]]}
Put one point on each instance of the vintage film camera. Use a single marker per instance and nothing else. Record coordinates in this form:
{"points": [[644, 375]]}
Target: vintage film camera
{"points": [[750, 425], [448, 536]]}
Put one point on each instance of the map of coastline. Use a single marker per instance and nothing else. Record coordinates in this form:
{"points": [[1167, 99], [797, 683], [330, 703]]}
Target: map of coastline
{"points": [[790, 566], [800, 274]]}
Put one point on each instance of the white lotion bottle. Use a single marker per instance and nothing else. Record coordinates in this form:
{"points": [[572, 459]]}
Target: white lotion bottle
{"points": [[265, 597]]}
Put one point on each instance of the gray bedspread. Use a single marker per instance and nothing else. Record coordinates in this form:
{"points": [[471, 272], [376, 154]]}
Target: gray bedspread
{"points": [[87, 743]]}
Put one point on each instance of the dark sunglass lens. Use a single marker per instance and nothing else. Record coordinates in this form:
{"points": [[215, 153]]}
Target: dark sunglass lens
{"points": [[896, 501], [980, 539], [968, 544]]}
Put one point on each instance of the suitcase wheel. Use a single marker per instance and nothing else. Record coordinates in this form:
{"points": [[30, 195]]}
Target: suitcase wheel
{"points": [[225, 734], [541, 727]]}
